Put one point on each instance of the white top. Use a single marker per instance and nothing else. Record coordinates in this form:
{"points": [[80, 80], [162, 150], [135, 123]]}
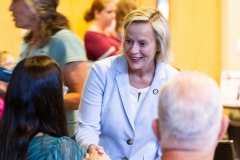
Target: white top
{"points": [[137, 97]]}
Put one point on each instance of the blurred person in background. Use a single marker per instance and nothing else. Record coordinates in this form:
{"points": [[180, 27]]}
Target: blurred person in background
{"points": [[6, 61], [49, 34], [123, 8], [98, 41]]}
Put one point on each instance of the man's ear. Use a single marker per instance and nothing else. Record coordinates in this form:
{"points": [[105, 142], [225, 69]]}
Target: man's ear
{"points": [[156, 129], [224, 126]]}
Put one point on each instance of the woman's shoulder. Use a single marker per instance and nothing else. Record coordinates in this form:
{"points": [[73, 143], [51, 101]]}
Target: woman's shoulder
{"points": [[167, 69], [64, 35], [171, 69], [67, 39], [46, 140], [93, 34], [60, 140], [54, 146], [63, 32], [66, 148], [110, 62], [63, 143], [110, 66]]}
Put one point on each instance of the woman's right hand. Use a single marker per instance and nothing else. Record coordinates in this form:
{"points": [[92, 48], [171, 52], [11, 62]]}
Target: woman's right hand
{"points": [[94, 155], [92, 148]]}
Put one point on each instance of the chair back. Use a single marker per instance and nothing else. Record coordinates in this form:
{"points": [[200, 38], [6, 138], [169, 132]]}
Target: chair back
{"points": [[234, 134], [224, 150]]}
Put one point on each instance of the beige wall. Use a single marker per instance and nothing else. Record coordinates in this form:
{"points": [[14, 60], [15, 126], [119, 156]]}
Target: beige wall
{"points": [[10, 36], [196, 35], [230, 34], [147, 3], [74, 10]]}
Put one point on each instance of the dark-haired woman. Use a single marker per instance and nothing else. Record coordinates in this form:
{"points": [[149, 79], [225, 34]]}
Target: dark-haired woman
{"points": [[34, 124], [49, 35], [100, 43]]}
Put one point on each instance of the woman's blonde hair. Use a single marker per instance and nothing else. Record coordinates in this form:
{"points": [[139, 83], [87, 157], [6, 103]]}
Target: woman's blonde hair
{"points": [[160, 27]]}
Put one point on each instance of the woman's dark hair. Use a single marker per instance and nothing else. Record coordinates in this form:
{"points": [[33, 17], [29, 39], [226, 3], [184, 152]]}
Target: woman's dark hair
{"points": [[97, 5], [33, 104], [123, 8], [50, 21]]}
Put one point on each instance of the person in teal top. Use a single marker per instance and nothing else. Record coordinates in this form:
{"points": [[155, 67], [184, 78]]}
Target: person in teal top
{"points": [[53, 148], [49, 34], [34, 124], [34, 119]]}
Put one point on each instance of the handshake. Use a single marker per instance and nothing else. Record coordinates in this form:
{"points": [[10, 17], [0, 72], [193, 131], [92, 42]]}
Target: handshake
{"points": [[96, 153]]}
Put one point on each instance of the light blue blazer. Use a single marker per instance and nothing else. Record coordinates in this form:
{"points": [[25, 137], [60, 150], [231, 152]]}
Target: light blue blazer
{"points": [[105, 115]]}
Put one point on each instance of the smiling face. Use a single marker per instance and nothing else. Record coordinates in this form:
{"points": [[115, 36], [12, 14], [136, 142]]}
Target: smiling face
{"points": [[23, 16], [107, 15], [140, 46]]}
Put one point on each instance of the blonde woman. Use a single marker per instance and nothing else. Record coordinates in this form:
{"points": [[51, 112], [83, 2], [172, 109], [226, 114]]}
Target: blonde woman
{"points": [[120, 97]]}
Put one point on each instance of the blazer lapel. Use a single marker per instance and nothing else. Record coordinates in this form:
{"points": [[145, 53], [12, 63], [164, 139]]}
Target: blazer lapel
{"points": [[122, 80], [153, 92]]}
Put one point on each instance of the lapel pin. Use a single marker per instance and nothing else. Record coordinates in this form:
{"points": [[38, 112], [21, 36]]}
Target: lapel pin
{"points": [[155, 91]]}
